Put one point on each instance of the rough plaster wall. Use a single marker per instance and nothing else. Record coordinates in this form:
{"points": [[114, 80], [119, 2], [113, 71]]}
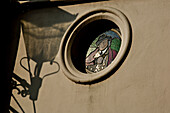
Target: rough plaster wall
{"points": [[140, 85]]}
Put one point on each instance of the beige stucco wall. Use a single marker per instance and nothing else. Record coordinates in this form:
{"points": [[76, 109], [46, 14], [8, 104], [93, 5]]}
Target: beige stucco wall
{"points": [[140, 85]]}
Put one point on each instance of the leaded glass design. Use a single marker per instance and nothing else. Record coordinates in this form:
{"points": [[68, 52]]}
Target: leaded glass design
{"points": [[103, 51]]}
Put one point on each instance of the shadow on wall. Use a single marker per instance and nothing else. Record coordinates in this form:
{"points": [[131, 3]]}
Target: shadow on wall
{"points": [[42, 31]]}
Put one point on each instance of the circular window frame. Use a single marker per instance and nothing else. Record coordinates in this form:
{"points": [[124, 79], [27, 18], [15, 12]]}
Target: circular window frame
{"points": [[110, 14]]}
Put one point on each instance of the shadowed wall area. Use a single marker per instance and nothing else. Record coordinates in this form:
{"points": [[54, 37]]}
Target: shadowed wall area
{"points": [[43, 30]]}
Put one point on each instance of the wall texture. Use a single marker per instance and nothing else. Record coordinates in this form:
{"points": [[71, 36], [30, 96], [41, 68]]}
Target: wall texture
{"points": [[140, 85]]}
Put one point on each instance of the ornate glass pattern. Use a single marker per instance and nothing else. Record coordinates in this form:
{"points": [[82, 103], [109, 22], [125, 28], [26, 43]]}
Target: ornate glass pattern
{"points": [[103, 51]]}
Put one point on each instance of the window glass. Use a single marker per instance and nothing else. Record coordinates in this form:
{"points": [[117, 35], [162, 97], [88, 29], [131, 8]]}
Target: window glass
{"points": [[103, 50]]}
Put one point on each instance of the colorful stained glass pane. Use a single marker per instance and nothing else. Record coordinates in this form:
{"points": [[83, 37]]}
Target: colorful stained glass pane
{"points": [[103, 51]]}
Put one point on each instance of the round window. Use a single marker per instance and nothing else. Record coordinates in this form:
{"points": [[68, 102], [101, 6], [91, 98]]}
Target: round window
{"points": [[94, 45], [103, 51]]}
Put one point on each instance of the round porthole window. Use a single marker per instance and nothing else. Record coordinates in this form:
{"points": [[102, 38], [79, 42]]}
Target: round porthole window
{"points": [[103, 50], [94, 45]]}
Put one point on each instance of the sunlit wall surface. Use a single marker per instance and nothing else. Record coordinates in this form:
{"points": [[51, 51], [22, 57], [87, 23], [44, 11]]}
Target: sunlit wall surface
{"points": [[51, 71]]}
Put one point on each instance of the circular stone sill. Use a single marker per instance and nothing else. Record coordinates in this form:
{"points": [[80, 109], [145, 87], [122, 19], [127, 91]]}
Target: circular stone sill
{"points": [[67, 65]]}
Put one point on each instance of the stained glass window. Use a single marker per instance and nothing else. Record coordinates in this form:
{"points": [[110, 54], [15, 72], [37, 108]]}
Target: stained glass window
{"points": [[103, 50]]}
